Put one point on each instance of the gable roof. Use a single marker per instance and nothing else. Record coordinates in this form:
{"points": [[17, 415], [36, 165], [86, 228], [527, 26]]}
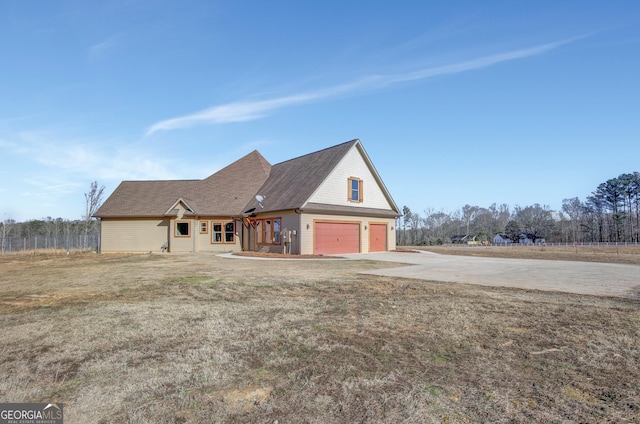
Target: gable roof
{"points": [[292, 182], [237, 183], [232, 190]]}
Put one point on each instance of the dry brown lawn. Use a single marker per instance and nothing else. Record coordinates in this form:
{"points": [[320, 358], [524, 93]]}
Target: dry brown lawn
{"points": [[197, 338]]}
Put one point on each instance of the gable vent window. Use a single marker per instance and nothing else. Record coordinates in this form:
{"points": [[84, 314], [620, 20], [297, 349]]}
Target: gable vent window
{"points": [[355, 190]]}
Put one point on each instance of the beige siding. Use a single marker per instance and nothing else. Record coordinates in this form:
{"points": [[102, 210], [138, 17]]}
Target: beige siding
{"points": [[204, 241], [335, 190], [181, 243], [306, 233], [289, 221], [178, 243], [138, 235]]}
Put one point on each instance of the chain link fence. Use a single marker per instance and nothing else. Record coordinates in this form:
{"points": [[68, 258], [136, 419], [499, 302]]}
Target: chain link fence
{"points": [[68, 242]]}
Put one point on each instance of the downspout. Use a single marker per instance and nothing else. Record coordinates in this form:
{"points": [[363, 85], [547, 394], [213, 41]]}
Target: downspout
{"points": [[196, 233], [299, 231]]}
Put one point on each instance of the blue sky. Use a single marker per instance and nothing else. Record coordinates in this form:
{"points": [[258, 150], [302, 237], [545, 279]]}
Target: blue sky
{"points": [[455, 102]]}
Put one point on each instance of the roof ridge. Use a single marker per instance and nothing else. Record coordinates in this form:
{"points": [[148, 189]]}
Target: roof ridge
{"points": [[354, 141], [161, 181], [255, 153]]}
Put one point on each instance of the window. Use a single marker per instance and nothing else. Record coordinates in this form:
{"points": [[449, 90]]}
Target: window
{"points": [[229, 232], [276, 231], [223, 232], [355, 189], [203, 227], [267, 234], [182, 229], [268, 231], [259, 231], [216, 232]]}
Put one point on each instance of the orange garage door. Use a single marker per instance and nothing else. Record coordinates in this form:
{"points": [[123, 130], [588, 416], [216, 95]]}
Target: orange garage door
{"points": [[336, 237], [377, 237]]}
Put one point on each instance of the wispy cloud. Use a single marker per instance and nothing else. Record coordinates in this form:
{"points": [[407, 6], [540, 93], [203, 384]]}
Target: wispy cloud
{"points": [[90, 158], [478, 63], [255, 109], [101, 49]]}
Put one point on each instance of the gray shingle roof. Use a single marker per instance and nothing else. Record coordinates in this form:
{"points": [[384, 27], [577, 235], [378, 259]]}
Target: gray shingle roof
{"points": [[292, 182], [232, 190], [222, 194]]}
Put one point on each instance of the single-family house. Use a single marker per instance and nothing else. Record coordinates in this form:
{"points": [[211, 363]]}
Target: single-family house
{"points": [[529, 239], [502, 239], [328, 202]]}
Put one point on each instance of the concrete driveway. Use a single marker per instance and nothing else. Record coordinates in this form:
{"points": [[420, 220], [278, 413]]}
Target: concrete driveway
{"points": [[573, 277]]}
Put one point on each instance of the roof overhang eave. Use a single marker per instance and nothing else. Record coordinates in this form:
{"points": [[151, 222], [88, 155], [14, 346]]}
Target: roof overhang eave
{"points": [[348, 210]]}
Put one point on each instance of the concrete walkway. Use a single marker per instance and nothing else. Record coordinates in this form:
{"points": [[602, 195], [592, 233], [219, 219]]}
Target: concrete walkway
{"points": [[592, 278]]}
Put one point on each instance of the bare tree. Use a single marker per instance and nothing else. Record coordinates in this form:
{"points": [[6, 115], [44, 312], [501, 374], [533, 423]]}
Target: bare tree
{"points": [[406, 218], [536, 220], [574, 209], [469, 213], [6, 228], [93, 200], [436, 223]]}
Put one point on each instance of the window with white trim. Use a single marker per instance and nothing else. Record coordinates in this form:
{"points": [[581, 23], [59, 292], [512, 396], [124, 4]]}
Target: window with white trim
{"points": [[223, 232], [229, 232], [216, 232]]}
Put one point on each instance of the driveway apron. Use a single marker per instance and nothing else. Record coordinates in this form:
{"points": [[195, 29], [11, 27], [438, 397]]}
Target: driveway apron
{"points": [[601, 279]]}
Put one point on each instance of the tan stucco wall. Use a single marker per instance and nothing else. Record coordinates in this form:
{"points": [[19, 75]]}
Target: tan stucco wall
{"points": [[307, 221], [138, 235]]}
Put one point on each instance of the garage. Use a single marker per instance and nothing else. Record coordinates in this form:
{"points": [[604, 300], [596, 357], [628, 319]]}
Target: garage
{"points": [[377, 237], [336, 237]]}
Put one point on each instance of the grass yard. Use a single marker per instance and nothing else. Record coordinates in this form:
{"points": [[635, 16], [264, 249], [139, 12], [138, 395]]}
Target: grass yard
{"points": [[197, 338]]}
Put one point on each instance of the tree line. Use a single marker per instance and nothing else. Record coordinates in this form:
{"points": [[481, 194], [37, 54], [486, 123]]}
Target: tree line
{"points": [[55, 233], [610, 214], [47, 227], [46, 233]]}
